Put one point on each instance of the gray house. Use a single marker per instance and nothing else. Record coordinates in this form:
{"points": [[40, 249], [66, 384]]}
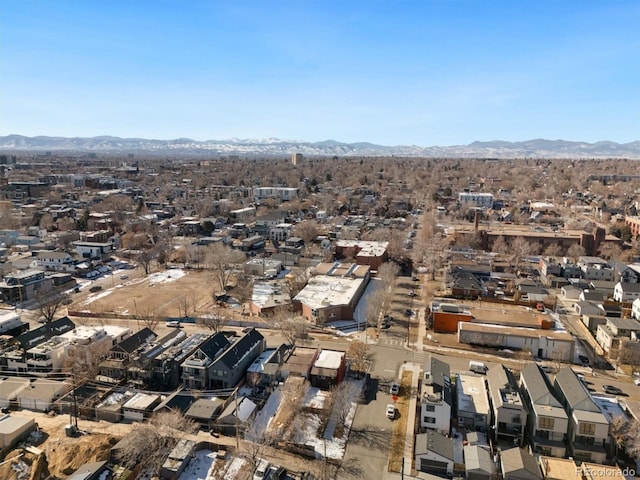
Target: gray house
{"points": [[434, 453], [195, 369], [230, 367], [519, 464], [588, 432]]}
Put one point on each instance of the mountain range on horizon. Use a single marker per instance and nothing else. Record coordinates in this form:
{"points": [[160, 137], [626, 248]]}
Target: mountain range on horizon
{"points": [[537, 148]]}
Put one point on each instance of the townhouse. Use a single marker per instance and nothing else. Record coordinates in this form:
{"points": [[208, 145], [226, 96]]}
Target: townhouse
{"points": [[547, 421], [436, 400], [588, 429], [509, 416]]}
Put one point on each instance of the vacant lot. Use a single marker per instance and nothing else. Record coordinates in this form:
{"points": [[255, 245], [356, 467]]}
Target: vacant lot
{"points": [[161, 293]]}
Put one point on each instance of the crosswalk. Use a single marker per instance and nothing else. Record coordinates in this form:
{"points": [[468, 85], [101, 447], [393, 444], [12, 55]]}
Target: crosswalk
{"points": [[391, 342]]}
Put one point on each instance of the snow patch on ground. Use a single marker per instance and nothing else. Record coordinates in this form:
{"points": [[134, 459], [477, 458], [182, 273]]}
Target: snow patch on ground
{"points": [[315, 398], [268, 412], [234, 468], [199, 467], [92, 298], [166, 276]]}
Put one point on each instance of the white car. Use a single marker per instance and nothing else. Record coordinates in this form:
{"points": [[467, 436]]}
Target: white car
{"points": [[637, 381], [391, 411], [395, 389], [261, 469], [173, 324]]}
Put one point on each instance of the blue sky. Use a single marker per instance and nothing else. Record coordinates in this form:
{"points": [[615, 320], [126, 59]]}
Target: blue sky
{"points": [[390, 72]]}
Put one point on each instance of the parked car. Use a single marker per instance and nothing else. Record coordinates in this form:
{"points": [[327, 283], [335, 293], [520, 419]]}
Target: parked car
{"points": [[173, 324], [611, 390], [385, 325], [261, 469], [637, 381], [395, 389], [124, 277], [95, 288], [391, 411]]}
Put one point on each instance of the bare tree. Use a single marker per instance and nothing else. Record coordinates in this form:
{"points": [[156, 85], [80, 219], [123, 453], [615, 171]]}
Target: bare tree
{"points": [[377, 303], [221, 260], [343, 396], [148, 444], [387, 274], [256, 442], [186, 303], [359, 356], [553, 250], [215, 320], [48, 304], [292, 327], [575, 251], [146, 258], [148, 315]]}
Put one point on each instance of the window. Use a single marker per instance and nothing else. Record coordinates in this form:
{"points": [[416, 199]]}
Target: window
{"points": [[587, 428], [431, 408], [546, 423], [429, 420]]}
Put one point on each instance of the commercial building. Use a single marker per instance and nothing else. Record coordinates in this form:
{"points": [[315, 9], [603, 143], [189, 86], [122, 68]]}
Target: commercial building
{"points": [[551, 344], [333, 292]]}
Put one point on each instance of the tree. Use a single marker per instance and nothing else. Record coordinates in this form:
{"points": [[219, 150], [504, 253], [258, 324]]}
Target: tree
{"points": [[359, 356], [186, 303], [257, 441], [377, 303], [553, 250], [292, 327], [48, 304], [148, 444], [145, 258], [214, 321], [342, 397], [520, 248], [148, 315], [500, 245], [575, 251], [387, 274], [221, 259]]}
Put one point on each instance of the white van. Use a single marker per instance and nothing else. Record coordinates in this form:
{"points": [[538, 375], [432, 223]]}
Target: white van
{"points": [[261, 469], [478, 367]]}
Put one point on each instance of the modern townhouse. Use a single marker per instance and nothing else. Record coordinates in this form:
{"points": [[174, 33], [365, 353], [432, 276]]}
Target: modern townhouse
{"points": [[547, 421], [509, 416], [473, 404], [588, 430], [436, 401]]}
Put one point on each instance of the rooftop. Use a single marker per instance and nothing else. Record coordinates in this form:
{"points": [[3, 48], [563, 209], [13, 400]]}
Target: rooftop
{"points": [[329, 359]]}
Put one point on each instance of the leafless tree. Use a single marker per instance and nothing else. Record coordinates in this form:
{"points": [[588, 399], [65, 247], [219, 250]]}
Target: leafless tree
{"points": [[186, 303], [296, 280], [146, 258], [575, 251], [387, 274], [256, 443], [292, 327], [48, 304], [222, 260], [359, 356], [148, 443], [214, 320], [553, 250], [148, 315], [343, 395], [377, 304]]}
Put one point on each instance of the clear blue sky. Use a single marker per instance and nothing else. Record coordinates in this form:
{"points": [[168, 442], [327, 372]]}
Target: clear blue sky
{"points": [[390, 72]]}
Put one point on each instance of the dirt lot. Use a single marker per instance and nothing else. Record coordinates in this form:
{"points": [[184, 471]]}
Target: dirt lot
{"points": [[159, 293]]}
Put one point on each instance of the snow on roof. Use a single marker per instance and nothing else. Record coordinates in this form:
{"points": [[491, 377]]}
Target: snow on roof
{"points": [[141, 401], [329, 359], [323, 290]]}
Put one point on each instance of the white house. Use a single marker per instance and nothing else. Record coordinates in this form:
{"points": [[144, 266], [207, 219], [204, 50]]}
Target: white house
{"points": [[57, 261], [437, 397], [626, 292]]}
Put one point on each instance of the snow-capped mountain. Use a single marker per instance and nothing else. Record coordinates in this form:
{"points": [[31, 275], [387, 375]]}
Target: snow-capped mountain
{"points": [[538, 148]]}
